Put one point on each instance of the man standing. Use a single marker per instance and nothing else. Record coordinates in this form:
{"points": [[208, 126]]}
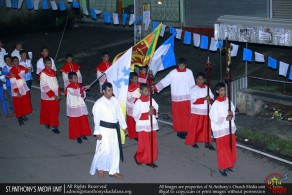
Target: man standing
{"points": [[108, 117]]}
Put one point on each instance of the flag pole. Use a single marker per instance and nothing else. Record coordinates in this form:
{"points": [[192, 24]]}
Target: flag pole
{"points": [[208, 71], [228, 80], [96, 80], [151, 83]]}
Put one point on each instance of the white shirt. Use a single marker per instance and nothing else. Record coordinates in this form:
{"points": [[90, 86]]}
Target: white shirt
{"points": [[107, 110], [180, 83], [2, 54], [197, 93], [41, 65], [141, 107], [15, 53], [218, 114]]}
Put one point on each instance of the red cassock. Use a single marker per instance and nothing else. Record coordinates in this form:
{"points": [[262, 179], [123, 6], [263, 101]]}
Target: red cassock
{"points": [[143, 154], [22, 105], [147, 151], [133, 94], [199, 124], [77, 112], [180, 115], [50, 107], [225, 156]]}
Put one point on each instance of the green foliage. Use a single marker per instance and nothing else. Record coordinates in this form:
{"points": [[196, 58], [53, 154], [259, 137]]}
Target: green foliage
{"points": [[267, 141]]}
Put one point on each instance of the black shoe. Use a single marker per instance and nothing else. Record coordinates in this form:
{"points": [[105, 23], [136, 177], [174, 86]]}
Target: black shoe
{"points": [[209, 146], [79, 140], [48, 126], [181, 135], [136, 139], [137, 161], [195, 146], [84, 137], [229, 169], [223, 172], [20, 121], [56, 130], [25, 118], [152, 165]]}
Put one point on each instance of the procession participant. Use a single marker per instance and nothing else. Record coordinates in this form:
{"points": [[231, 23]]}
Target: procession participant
{"points": [[68, 67], [220, 117], [76, 109], [108, 117], [180, 80], [20, 91], [133, 94], [101, 68], [147, 152], [50, 97], [40, 62], [199, 124]]}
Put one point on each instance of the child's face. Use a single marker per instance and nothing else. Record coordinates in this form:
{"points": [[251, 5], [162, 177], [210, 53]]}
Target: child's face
{"points": [[23, 55], [200, 80], [15, 62], [45, 52], [18, 46], [105, 58], [8, 61], [182, 66], [48, 64], [145, 91], [221, 92], [143, 71], [74, 79], [134, 79], [69, 59]]}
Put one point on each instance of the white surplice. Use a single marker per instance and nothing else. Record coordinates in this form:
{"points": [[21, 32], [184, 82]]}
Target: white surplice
{"points": [[107, 153]]}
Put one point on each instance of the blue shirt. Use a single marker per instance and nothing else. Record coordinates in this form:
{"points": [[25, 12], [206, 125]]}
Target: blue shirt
{"points": [[5, 72], [27, 76]]}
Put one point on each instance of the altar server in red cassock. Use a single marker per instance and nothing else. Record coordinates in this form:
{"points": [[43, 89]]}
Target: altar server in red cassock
{"points": [[180, 80], [133, 94], [142, 111], [142, 78], [50, 96], [101, 68], [76, 109], [220, 117], [20, 91], [199, 124], [68, 67]]}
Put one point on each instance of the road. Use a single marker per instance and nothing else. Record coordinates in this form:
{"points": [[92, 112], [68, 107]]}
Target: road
{"points": [[32, 153]]}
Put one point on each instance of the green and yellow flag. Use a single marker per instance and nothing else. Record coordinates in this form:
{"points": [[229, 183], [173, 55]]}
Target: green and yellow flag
{"points": [[144, 50]]}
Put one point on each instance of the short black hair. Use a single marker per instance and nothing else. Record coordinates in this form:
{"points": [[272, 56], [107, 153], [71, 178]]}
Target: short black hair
{"points": [[132, 75], [46, 59], [68, 55], [14, 58], [43, 48], [143, 86], [142, 67], [71, 74], [182, 61], [104, 53], [7, 56], [106, 85], [201, 74], [22, 51], [220, 85]]}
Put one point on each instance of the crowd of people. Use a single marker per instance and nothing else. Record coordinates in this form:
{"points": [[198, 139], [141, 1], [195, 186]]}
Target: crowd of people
{"points": [[197, 115]]}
